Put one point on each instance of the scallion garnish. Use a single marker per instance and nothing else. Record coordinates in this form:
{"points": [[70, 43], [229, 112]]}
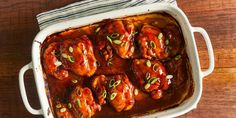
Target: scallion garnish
{"points": [[155, 67], [135, 91], [167, 42], [69, 105], [152, 45], [160, 36], [104, 94], [177, 57], [114, 35], [71, 59], [78, 102], [147, 86], [109, 39], [113, 95], [117, 42], [98, 29], [71, 49], [147, 75], [116, 83], [153, 80], [62, 109], [148, 63]]}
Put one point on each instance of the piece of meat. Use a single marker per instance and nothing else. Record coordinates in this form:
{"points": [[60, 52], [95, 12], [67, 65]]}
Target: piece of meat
{"points": [[117, 34], [52, 63], [99, 87], [151, 41], [62, 111], [82, 101], [118, 91], [174, 40], [151, 76], [77, 55]]}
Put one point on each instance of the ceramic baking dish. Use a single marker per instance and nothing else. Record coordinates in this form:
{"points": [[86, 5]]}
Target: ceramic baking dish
{"points": [[174, 11]]}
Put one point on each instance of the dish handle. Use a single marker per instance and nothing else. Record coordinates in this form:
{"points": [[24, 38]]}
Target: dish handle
{"points": [[23, 92], [209, 49]]}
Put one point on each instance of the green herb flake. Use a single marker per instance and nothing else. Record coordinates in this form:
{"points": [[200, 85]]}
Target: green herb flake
{"points": [[153, 80], [155, 67], [135, 91], [177, 57], [62, 109], [148, 63], [116, 83], [147, 75], [114, 35], [167, 42], [117, 42], [71, 59], [113, 96], [78, 102], [71, 49], [147, 86], [69, 105], [109, 39], [104, 94], [98, 29]]}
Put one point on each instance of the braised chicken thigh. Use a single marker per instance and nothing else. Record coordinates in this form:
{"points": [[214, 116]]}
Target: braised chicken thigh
{"points": [[151, 76], [117, 34], [117, 89], [83, 104], [151, 41], [78, 56]]}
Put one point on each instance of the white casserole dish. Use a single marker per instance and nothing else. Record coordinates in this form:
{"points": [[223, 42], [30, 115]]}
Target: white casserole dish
{"points": [[174, 11]]}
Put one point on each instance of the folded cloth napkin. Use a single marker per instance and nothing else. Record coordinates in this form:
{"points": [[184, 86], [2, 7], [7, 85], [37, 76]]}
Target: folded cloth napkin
{"points": [[87, 8]]}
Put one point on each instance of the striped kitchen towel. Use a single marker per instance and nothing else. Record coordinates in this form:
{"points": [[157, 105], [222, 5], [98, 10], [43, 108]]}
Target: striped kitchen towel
{"points": [[88, 7]]}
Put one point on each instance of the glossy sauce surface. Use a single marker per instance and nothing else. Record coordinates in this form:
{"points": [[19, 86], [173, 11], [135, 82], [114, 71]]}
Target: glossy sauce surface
{"points": [[86, 53]]}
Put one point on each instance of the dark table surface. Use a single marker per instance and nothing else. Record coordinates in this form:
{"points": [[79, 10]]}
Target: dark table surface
{"points": [[18, 27]]}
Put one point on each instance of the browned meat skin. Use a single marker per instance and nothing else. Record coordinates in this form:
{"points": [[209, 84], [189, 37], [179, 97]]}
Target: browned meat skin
{"points": [[62, 111], [152, 42], [151, 76], [77, 55], [120, 96], [119, 35], [83, 104], [51, 62], [99, 86], [175, 43], [119, 91]]}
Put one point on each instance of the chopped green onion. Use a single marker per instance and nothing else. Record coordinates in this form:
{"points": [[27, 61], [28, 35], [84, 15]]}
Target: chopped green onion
{"points": [[167, 42], [153, 80], [160, 36], [64, 55], [62, 109], [109, 39], [71, 59], [117, 42], [57, 63], [169, 76], [135, 91], [113, 95], [58, 106], [177, 57], [116, 83], [155, 67], [112, 81], [98, 64], [122, 36], [114, 35], [69, 105], [147, 75], [104, 94], [71, 49], [78, 102], [97, 30], [147, 86], [74, 81], [152, 45], [134, 33], [148, 63]]}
